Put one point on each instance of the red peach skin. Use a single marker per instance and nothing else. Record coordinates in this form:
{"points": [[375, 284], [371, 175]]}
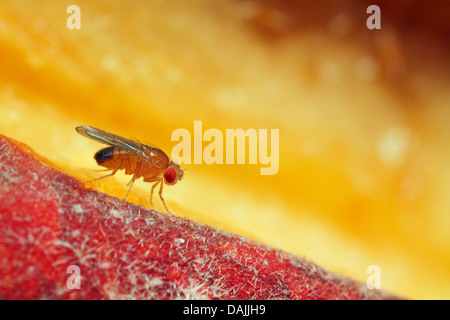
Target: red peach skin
{"points": [[49, 221]]}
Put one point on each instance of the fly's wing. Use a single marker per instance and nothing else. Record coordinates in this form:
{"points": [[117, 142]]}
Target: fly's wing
{"points": [[112, 140]]}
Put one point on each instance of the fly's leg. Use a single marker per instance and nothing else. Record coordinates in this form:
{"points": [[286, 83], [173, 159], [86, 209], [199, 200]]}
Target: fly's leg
{"points": [[158, 180], [111, 174], [135, 175], [162, 199], [151, 193]]}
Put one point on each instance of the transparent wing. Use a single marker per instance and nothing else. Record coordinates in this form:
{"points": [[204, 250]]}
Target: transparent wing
{"points": [[112, 140]]}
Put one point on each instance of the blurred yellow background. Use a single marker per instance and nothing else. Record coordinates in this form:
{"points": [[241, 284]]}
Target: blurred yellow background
{"points": [[363, 116]]}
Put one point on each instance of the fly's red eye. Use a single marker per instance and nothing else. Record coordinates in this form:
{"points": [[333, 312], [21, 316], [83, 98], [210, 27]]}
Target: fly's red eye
{"points": [[170, 176]]}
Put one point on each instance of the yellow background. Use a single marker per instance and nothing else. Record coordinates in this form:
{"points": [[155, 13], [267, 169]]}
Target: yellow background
{"points": [[364, 173]]}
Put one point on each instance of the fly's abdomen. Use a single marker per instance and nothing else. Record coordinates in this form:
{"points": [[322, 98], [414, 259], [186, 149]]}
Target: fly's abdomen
{"points": [[104, 155]]}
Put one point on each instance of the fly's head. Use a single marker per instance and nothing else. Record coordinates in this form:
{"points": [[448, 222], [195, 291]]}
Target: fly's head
{"points": [[173, 173]]}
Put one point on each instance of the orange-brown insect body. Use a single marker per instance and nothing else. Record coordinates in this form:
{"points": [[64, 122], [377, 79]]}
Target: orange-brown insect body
{"points": [[111, 157], [135, 158]]}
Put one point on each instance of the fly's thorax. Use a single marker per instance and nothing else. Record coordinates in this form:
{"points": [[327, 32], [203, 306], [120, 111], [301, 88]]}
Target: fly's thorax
{"points": [[155, 155]]}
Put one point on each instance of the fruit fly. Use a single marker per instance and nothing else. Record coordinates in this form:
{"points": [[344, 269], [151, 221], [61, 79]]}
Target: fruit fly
{"points": [[135, 158]]}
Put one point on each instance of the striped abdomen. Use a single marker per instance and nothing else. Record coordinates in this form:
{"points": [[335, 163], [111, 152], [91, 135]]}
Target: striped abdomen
{"points": [[111, 158], [104, 154]]}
